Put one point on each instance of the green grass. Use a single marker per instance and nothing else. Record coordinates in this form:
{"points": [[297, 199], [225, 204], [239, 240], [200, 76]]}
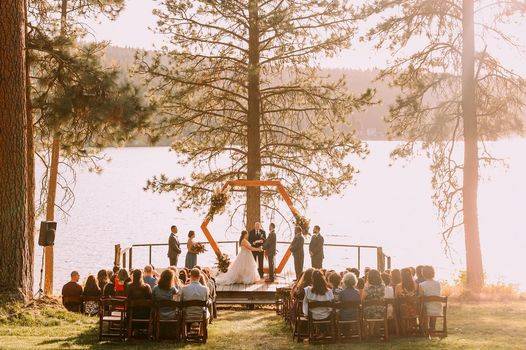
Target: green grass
{"points": [[471, 326]]}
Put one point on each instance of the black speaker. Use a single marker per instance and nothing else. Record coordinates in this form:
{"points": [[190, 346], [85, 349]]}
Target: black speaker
{"points": [[46, 236]]}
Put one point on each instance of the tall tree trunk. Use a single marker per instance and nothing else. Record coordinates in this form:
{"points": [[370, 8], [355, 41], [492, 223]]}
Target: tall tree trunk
{"points": [[254, 115], [30, 141], [475, 275], [52, 184], [16, 261]]}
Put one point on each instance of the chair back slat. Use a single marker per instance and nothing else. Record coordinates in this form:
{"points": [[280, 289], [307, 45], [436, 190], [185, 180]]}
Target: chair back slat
{"points": [[191, 303], [140, 303], [167, 304], [434, 298], [374, 302], [348, 305], [315, 304]]}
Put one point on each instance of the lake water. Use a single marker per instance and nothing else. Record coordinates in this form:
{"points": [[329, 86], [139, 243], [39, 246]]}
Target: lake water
{"points": [[390, 206]]}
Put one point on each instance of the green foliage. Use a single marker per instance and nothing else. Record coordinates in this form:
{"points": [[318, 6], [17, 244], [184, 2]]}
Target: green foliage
{"points": [[201, 84]]}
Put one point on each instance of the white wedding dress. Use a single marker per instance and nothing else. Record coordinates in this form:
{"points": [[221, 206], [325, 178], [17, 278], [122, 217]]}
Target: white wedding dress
{"points": [[243, 270]]}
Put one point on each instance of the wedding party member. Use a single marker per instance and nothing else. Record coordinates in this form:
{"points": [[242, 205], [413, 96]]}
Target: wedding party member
{"points": [[316, 248], [319, 291], [195, 291], [296, 247], [428, 288], [174, 248], [270, 250], [256, 238], [191, 255], [72, 292]]}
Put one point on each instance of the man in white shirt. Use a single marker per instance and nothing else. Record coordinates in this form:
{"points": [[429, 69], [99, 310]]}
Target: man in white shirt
{"points": [[195, 291]]}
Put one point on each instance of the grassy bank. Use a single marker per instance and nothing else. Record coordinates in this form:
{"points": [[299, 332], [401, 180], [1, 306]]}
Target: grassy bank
{"points": [[472, 326]]}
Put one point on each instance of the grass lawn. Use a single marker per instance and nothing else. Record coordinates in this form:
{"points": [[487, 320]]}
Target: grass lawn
{"points": [[471, 326]]}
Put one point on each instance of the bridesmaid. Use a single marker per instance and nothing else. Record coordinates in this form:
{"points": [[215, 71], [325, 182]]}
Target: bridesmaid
{"points": [[191, 255]]}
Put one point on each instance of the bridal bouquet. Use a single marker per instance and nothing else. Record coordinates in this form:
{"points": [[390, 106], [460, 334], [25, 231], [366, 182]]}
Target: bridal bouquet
{"points": [[199, 248]]}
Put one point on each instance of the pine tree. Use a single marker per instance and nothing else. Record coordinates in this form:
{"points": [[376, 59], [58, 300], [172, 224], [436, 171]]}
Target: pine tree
{"points": [[16, 238], [453, 89], [240, 82]]}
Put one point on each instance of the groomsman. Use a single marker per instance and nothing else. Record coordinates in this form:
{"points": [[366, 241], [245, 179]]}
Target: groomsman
{"points": [[256, 238], [270, 249], [296, 247], [174, 248], [316, 248]]}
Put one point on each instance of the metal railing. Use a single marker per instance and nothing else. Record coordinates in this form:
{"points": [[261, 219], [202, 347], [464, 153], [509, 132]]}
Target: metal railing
{"points": [[124, 257]]}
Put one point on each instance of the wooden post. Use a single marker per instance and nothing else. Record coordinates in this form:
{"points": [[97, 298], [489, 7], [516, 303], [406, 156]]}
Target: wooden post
{"points": [[117, 258], [150, 254], [130, 263], [124, 259], [389, 262], [380, 261]]}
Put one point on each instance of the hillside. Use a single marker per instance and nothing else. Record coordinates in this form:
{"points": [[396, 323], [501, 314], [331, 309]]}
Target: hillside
{"points": [[369, 123]]}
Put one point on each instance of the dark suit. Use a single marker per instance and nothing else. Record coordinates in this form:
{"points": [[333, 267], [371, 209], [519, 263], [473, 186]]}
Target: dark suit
{"points": [[316, 251], [270, 247], [296, 247], [258, 256], [174, 249]]}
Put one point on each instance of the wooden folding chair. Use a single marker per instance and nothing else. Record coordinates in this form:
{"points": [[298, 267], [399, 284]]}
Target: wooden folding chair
{"points": [[174, 324], [195, 327], [410, 323], [139, 313], [349, 329], [301, 323], [392, 319], [112, 319], [321, 330], [371, 323], [279, 300], [433, 332]]}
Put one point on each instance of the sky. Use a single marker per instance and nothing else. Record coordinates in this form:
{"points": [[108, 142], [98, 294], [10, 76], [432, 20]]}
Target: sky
{"points": [[133, 28]]}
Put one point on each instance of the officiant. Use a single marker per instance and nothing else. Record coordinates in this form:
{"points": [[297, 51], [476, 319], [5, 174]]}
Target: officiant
{"points": [[256, 238]]}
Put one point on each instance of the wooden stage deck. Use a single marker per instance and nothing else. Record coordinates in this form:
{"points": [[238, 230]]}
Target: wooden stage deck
{"points": [[260, 293]]}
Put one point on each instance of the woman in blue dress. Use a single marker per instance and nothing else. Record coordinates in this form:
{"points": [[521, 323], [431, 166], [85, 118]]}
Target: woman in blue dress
{"points": [[191, 255]]}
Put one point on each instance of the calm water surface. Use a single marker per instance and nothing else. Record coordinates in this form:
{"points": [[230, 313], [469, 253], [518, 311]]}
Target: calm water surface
{"points": [[389, 206]]}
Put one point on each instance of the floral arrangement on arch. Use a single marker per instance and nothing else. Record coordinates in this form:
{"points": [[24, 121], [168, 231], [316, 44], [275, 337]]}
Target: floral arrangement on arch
{"points": [[223, 262], [302, 222], [199, 248], [217, 203]]}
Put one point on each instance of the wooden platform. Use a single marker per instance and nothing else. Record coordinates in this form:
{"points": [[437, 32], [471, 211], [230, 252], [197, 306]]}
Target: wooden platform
{"points": [[260, 293]]}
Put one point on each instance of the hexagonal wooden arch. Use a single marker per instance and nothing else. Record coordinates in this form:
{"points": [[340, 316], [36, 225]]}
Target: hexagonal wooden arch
{"points": [[253, 183]]}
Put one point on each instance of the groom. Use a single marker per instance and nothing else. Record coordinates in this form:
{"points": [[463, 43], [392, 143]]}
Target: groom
{"points": [[256, 238], [270, 251]]}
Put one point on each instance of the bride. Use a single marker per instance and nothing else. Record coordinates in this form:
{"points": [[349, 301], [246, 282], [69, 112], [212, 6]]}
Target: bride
{"points": [[244, 268]]}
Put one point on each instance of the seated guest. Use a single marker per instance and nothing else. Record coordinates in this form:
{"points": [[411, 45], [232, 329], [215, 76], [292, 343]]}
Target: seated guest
{"points": [[183, 277], [138, 290], [298, 290], [361, 283], [389, 293], [334, 282], [120, 282], [407, 288], [71, 293], [430, 287], [396, 278], [374, 290], [166, 290], [349, 293], [210, 283], [149, 276], [419, 276], [91, 289], [102, 279], [195, 291], [319, 291]]}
